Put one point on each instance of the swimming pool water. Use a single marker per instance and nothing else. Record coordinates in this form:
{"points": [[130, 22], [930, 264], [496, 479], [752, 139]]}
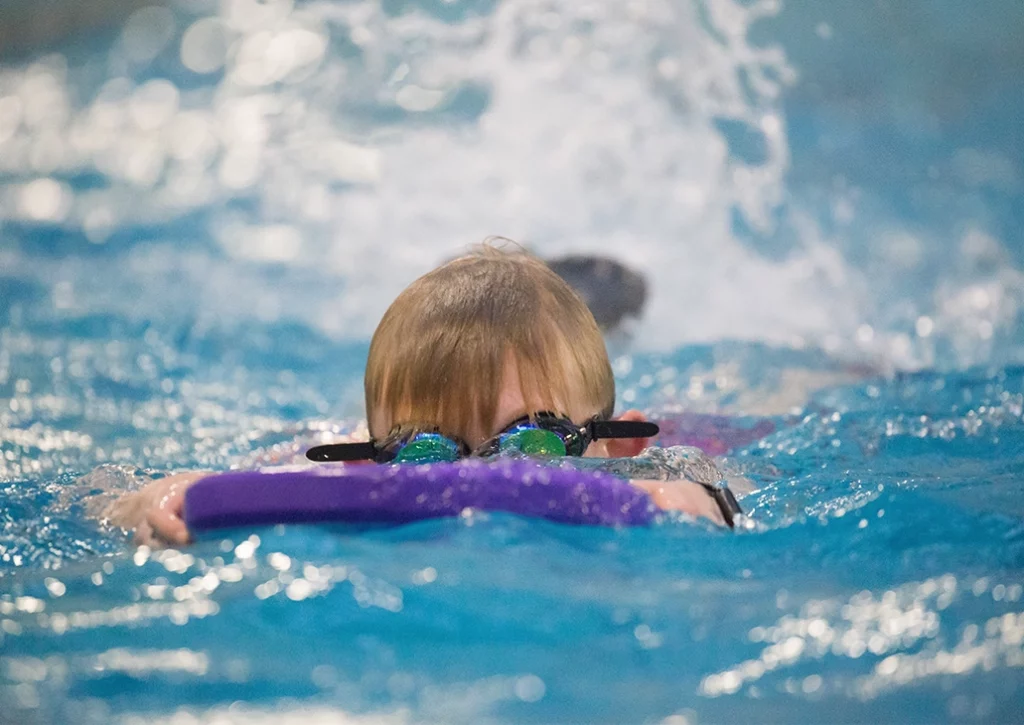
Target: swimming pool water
{"points": [[883, 575], [204, 211]]}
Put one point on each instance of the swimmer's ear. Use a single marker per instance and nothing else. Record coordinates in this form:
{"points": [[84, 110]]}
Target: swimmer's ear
{"points": [[628, 447]]}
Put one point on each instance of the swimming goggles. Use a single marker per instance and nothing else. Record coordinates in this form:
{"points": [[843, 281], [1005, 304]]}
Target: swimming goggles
{"points": [[540, 434]]}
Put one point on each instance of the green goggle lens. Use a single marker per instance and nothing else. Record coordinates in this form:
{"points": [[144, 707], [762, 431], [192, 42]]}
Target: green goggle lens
{"points": [[534, 442], [428, 448]]}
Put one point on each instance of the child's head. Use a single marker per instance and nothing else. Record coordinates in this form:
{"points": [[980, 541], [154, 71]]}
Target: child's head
{"points": [[492, 335]]}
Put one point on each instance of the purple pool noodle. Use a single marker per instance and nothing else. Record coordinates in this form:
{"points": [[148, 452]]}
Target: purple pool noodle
{"points": [[404, 493]]}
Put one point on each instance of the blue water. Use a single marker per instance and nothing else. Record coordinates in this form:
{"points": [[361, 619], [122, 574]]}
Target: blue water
{"points": [[204, 210]]}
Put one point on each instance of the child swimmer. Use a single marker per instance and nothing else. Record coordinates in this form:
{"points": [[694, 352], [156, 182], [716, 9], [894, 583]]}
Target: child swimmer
{"points": [[470, 350]]}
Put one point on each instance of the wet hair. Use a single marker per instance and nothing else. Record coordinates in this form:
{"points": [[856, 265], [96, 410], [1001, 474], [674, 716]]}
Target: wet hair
{"points": [[438, 357]]}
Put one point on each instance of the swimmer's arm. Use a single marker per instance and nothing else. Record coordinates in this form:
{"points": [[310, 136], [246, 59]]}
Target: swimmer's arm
{"points": [[155, 510], [683, 496]]}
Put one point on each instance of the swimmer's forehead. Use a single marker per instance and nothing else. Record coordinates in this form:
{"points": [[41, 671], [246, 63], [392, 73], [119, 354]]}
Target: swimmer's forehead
{"points": [[525, 391]]}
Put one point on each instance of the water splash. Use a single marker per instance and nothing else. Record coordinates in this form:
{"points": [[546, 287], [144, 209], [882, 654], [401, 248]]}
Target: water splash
{"points": [[356, 145]]}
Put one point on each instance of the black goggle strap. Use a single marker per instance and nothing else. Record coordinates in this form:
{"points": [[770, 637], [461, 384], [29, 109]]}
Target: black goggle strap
{"points": [[726, 501], [621, 429], [343, 452]]}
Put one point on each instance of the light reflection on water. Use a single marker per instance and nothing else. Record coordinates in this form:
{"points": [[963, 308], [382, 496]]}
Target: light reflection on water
{"points": [[875, 570]]}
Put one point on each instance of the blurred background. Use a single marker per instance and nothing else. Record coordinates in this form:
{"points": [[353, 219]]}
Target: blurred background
{"points": [[835, 175]]}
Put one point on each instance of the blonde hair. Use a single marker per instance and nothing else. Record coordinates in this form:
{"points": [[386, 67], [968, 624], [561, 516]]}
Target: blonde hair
{"points": [[439, 354]]}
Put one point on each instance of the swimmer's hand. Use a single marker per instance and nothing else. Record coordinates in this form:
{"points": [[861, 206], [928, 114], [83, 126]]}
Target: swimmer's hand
{"points": [[684, 496], [155, 510]]}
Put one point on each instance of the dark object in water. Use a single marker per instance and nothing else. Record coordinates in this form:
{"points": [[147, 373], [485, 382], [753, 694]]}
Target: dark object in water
{"points": [[611, 290]]}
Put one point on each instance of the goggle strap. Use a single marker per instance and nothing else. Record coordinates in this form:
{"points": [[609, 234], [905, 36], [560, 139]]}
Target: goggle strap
{"points": [[368, 451], [342, 452], [622, 429], [726, 501]]}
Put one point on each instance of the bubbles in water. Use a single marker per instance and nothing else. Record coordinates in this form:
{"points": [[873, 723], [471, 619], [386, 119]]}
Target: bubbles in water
{"points": [[153, 104], [204, 46], [10, 116], [44, 200], [147, 33]]}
